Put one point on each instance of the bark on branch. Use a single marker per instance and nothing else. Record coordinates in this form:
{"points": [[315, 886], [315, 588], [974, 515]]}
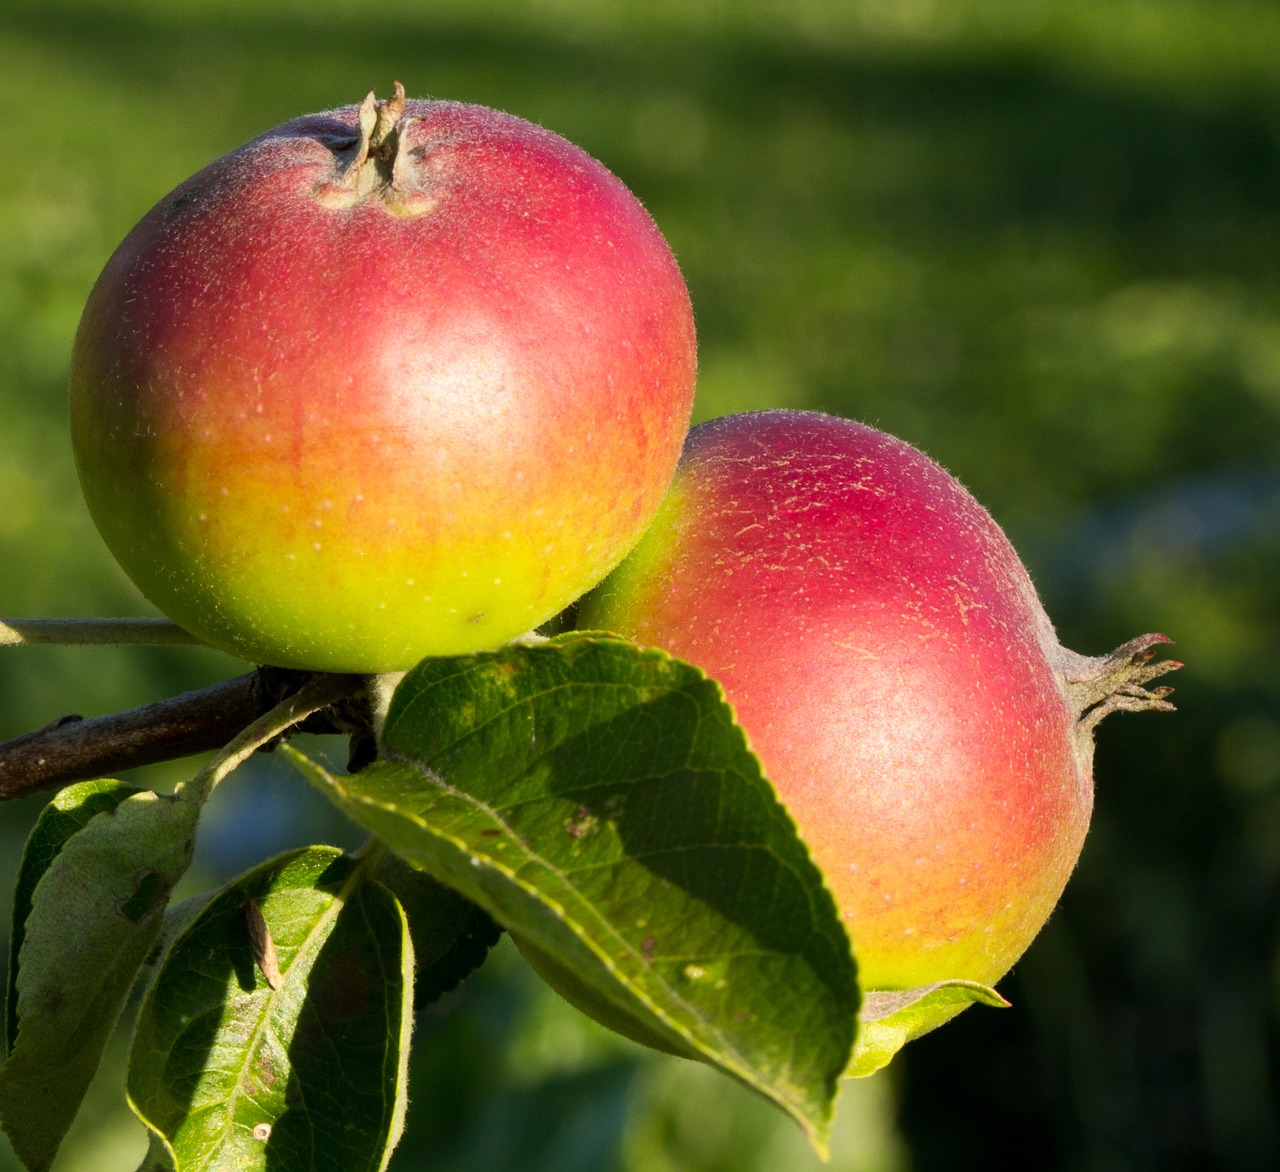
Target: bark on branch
{"points": [[88, 632], [74, 749]]}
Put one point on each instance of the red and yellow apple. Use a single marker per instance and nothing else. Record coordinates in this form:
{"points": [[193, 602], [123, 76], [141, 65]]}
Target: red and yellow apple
{"points": [[390, 381], [894, 670]]}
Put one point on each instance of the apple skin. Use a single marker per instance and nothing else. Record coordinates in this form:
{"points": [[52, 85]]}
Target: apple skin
{"points": [[886, 653], [341, 413]]}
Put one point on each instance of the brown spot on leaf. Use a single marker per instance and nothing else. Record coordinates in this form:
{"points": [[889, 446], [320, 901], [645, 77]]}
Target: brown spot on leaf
{"points": [[266, 1071], [582, 823]]}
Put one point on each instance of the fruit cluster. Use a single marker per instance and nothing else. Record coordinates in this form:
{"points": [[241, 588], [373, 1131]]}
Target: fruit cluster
{"points": [[407, 379]]}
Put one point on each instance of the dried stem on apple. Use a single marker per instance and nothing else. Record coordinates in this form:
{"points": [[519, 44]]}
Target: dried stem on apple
{"points": [[1117, 682], [376, 164]]}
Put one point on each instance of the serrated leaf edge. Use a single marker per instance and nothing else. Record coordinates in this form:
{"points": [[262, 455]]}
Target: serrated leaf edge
{"points": [[407, 965], [400, 704], [17, 933], [352, 881], [127, 793], [815, 1129]]}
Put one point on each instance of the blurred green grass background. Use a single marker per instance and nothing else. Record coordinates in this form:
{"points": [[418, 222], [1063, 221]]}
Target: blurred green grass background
{"points": [[1037, 239]]}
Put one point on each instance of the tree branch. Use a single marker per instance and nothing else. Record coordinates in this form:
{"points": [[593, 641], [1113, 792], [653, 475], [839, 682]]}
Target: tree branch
{"points": [[74, 749], [321, 692], [81, 632]]}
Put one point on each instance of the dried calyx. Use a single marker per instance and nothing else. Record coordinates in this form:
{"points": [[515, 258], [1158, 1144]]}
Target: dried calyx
{"points": [[1100, 685], [378, 163]]}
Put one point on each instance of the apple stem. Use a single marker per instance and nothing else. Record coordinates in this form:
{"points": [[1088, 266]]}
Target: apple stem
{"points": [[1117, 682], [378, 138], [87, 632], [380, 164], [386, 118]]}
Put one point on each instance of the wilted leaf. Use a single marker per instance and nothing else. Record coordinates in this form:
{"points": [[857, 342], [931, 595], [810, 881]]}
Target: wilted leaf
{"points": [[600, 802], [237, 1076]]}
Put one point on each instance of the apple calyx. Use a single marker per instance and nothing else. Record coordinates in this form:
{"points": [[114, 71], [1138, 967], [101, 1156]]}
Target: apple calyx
{"points": [[1117, 682], [377, 164]]}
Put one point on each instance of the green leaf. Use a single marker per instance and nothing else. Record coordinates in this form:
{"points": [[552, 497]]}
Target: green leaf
{"points": [[451, 935], [600, 802], [237, 1076], [94, 884], [157, 1158], [66, 814], [891, 1018], [177, 919]]}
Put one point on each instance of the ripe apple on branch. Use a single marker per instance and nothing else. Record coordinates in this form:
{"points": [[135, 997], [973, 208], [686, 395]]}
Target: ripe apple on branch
{"points": [[386, 382], [883, 646], [366, 402]]}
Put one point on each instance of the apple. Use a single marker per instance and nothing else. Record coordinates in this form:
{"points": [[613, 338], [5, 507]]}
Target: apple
{"points": [[395, 380], [894, 670]]}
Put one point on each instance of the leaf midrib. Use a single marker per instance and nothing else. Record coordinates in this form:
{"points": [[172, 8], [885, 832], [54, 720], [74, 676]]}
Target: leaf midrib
{"points": [[331, 913], [739, 1063]]}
